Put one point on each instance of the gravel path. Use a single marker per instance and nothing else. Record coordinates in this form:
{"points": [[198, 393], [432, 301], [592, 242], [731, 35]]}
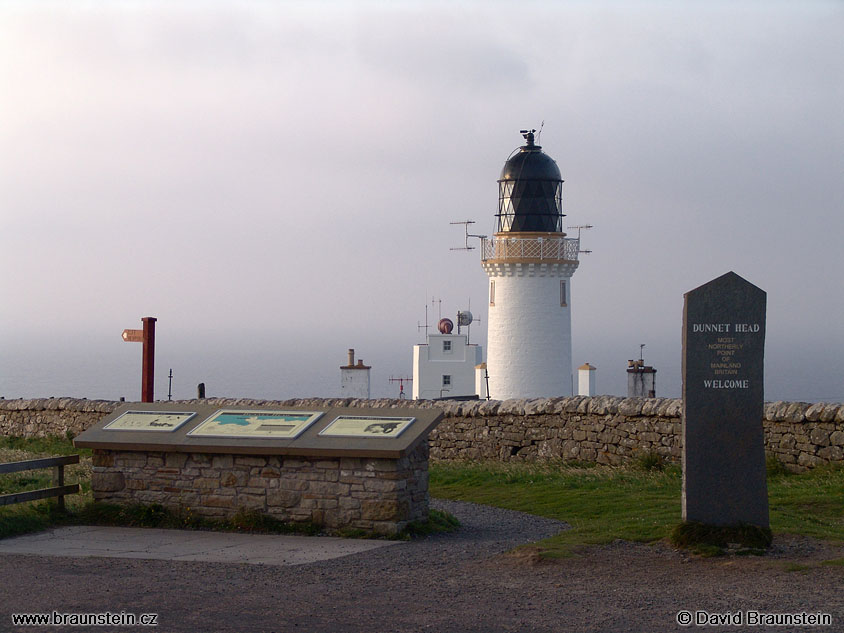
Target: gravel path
{"points": [[450, 582]]}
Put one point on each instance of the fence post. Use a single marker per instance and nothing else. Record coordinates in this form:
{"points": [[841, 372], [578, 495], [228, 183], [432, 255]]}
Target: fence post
{"points": [[58, 480]]}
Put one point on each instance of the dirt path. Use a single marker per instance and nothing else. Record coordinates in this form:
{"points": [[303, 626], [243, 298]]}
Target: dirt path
{"points": [[457, 583]]}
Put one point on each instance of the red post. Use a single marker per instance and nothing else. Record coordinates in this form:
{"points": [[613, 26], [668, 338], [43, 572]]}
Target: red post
{"points": [[148, 369]]}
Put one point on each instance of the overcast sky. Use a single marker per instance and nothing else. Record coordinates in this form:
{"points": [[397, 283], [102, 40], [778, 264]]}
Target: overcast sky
{"points": [[275, 180]]}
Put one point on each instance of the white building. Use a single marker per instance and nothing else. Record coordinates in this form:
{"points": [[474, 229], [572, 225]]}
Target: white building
{"points": [[444, 367], [354, 378], [481, 380], [530, 262], [586, 383]]}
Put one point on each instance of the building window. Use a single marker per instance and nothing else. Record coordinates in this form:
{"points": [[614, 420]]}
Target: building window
{"points": [[563, 301], [446, 380], [446, 346], [492, 293]]}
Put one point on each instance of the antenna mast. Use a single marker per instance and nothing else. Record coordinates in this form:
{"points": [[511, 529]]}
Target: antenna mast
{"points": [[419, 326], [581, 227], [401, 381], [466, 246], [434, 302]]}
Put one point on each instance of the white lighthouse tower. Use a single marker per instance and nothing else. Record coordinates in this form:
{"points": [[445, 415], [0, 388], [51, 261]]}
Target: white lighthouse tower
{"points": [[529, 261]]}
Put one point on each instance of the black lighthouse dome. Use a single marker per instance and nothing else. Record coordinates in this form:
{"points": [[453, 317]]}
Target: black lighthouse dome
{"points": [[530, 191]]}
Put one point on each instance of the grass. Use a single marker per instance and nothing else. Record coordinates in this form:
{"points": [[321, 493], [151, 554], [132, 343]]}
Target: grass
{"points": [[710, 540], [157, 516], [438, 521], [837, 562], [33, 516], [639, 504], [600, 504], [245, 520], [810, 503]]}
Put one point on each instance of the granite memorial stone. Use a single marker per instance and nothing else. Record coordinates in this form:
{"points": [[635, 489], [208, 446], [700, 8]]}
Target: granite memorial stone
{"points": [[724, 477]]}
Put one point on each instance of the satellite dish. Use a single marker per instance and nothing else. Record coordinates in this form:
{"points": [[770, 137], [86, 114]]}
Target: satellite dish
{"points": [[445, 326], [464, 317]]}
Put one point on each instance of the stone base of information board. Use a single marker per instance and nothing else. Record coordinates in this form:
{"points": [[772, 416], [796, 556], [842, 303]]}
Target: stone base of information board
{"points": [[376, 495]]}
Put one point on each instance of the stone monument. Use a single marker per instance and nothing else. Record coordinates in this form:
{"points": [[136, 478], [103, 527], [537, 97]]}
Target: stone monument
{"points": [[724, 477]]}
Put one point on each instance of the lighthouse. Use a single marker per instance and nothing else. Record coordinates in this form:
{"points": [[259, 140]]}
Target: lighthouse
{"points": [[530, 262]]}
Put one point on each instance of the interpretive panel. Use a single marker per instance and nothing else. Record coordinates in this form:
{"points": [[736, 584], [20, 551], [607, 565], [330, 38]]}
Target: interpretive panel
{"points": [[244, 428], [165, 421], [366, 426], [256, 423]]}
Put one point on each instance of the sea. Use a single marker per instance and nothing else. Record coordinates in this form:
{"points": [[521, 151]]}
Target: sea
{"points": [[277, 371]]}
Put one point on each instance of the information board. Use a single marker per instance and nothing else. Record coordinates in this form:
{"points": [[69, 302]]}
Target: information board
{"points": [[256, 423], [161, 421], [366, 426], [247, 428]]}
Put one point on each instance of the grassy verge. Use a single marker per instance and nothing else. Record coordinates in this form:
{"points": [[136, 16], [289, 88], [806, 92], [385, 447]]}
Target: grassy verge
{"points": [[639, 503], [811, 503], [600, 504], [603, 504], [438, 521], [156, 516]]}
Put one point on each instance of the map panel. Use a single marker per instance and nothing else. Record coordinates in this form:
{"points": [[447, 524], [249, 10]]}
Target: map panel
{"points": [[256, 423], [366, 426], [160, 421]]}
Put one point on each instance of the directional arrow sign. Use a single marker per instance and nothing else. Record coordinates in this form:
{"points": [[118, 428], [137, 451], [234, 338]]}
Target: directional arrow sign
{"points": [[133, 336]]}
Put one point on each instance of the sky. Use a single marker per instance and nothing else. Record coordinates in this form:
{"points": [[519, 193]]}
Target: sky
{"points": [[275, 182]]}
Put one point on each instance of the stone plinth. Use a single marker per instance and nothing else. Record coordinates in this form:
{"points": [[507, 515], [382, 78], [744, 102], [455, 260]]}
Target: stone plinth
{"points": [[372, 494]]}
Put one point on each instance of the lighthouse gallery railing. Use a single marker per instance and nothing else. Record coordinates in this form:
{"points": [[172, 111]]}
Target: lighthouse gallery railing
{"points": [[530, 247]]}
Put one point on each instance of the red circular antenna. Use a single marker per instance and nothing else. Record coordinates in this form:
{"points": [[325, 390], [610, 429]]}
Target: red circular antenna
{"points": [[445, 326]]}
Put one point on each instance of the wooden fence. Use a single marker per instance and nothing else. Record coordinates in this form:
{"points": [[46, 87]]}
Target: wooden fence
{"points": [[59, 488]]}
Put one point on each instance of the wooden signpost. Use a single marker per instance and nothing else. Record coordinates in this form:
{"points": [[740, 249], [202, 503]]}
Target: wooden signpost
{"points": [[147, 337]]}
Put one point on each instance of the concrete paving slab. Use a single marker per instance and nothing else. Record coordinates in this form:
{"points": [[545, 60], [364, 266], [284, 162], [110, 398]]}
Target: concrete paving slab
{"points": [[186, 545]]}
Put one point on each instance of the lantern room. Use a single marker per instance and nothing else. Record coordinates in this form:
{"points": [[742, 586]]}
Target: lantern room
{"points": [[530, 191]]}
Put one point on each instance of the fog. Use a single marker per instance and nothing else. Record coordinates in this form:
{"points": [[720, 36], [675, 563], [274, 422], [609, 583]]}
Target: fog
{"points": [[275, 181]]}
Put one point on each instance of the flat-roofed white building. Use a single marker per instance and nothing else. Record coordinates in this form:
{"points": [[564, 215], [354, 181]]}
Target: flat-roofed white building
{"points": [[444, 367], [354, 378]]}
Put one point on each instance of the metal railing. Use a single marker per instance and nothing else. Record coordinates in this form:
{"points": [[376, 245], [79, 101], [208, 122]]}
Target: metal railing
{"points": [[530, 247], [59, 488]]}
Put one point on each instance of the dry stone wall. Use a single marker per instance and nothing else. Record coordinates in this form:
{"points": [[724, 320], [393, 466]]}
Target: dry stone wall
{"points": [[603, 429], [612, 430], [43, 417]]}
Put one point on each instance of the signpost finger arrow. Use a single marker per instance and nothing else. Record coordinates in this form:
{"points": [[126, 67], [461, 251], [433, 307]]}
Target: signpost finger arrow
{"points": [[133, 336]]}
